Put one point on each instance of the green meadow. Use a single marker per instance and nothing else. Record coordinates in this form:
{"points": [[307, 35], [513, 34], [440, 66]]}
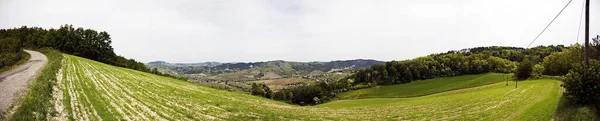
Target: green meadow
{"points": [[427, 87]]}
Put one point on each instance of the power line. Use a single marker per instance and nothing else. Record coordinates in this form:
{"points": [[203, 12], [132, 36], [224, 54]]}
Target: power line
{"points": [[549, 23], [580, 18]]}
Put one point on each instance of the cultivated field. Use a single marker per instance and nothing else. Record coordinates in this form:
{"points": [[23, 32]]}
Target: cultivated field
{"points": [[88, 90]]}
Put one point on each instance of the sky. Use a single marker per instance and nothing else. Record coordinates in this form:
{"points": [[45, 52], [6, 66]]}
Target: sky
{"points": [[185, 31]]}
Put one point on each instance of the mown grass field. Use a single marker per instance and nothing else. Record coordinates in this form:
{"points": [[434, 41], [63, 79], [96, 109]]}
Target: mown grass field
{"points": [[427, 87], [94, 91]]}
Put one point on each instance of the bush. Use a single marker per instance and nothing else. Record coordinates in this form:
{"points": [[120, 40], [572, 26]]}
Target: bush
{"points": [[559, 63], [36, 104], [580, 90], [524, 69], [261, 89], [538, 69], [10, 50]]}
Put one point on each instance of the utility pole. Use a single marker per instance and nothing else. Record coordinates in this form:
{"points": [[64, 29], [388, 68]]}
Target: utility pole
{"points": [[587, 37], [505, 77]]}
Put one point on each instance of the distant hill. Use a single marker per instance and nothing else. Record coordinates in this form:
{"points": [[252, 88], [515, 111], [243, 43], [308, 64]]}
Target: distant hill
{"points": [[163, 63], [278, 67]]}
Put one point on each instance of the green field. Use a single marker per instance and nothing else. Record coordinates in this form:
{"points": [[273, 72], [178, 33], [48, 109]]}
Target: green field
{"points": [[533, 100], [91, 90], [426, 87]]}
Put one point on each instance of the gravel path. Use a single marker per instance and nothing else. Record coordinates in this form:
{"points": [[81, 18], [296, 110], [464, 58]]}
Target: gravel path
{"points": [[14, 82]]}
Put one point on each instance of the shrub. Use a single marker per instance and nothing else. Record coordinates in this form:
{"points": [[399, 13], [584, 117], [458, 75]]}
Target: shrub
{"points": [[538, 69], [524, 69], [9, 51], [559, 63], [581, 90]]}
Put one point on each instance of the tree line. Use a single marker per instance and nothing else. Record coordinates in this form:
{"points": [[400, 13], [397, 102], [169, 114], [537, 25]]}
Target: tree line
{"points": [[434, 66], [87, 43]]}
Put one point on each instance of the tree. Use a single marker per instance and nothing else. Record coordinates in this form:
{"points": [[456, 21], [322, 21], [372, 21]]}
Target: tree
{"points": [[538, 69], [10, 49], [580, 90], [261, 89], [524, 69], [559, 63]]}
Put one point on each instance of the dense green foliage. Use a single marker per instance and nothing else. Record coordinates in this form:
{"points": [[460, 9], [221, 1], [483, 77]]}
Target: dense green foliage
{"points": [[581, 90], [524, 69], [433, 66], [261, 89], [559, 63], [87, 43], [517, 54], [10, 51], [537, 71], [467, 61], [301, 95], [426, 87], [37, 102]]}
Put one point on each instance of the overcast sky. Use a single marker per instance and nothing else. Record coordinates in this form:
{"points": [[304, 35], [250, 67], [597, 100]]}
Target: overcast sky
{"points": [[304, 30]]}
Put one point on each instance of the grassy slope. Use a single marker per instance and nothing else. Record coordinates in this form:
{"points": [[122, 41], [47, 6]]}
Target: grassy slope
{"points": [[426, 87], [533, 100], [98, 91], [36, 103], [92, 90]]}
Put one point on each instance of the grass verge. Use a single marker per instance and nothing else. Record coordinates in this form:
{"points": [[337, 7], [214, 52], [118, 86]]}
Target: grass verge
{"points": [[34, 106], [569, 111], [25, 58]]}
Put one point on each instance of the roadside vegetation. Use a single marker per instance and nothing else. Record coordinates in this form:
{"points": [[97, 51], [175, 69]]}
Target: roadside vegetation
{"points": [[36, 105], [22, 61], [11, 53]]}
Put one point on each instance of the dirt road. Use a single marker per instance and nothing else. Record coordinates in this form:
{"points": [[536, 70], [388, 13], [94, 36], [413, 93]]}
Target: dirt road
{"points": [[14, 82]]}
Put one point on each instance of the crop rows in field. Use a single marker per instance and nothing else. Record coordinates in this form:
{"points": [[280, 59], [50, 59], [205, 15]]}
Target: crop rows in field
{"points": [[95, 91]]}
